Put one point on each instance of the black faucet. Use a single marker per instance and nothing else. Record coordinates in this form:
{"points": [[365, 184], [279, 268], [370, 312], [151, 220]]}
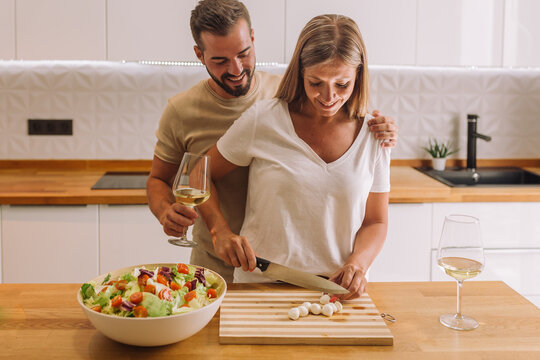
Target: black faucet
{"points": [[472, 120]]}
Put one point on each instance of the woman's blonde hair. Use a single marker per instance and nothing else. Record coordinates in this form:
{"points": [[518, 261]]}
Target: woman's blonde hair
{"points": [[325, 38]]}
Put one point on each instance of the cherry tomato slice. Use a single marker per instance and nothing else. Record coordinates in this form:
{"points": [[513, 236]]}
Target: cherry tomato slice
{"points": [[96, 308], [162, 279], [150, 289], [116, 301], [140, 311], [121, 285], [175, 286], [188, 285], [136, 297], [211, 293], [141, 280], [182, 268], [190, 295]]}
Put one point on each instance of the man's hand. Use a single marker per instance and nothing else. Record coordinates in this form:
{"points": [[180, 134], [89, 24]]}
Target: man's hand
{"points": [[176, 217], [352, 278], [234, 249], [385, 128]]}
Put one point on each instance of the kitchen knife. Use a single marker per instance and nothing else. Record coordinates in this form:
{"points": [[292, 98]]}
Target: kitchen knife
{"points": [[296, 277]]}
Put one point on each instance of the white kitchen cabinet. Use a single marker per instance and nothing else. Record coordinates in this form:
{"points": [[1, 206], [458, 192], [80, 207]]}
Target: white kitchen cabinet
{"points": [[504, 225], [131, 235], [521, 33], [519, 269], [406, 252], [61, 30], [150, 30], [7, 29], [460, 32], [49, 244], [388, 27]]}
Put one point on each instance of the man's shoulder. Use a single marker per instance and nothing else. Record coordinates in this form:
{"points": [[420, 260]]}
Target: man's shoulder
{"points": [[187, 96]]}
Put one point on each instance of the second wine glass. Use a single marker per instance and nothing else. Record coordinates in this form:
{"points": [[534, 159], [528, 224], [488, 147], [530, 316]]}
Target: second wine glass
{"points": [[191, 187], [461, 256]]}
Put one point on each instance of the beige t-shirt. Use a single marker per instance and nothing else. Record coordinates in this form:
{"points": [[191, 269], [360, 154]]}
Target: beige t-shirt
{"points": [[193, 121]]}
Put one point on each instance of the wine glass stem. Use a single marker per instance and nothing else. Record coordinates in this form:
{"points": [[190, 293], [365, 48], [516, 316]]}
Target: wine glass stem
{"points": [[459, 291], [185, 228]]}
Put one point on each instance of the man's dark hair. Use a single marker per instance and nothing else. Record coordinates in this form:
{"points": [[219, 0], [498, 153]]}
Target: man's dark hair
{"points": [[217, 17]]}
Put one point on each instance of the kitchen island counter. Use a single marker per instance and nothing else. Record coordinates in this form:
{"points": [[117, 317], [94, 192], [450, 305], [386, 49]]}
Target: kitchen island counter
{"points": [[45, 321]]}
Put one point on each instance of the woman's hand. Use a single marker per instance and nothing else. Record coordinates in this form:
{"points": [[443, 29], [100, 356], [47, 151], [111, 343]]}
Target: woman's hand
{"points": [[176, 217], [352, 278], [384, 128], [234, 249]]}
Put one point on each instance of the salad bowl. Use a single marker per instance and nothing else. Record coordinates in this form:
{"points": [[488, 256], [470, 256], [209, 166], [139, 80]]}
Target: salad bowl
{"points": [[153, 331]]}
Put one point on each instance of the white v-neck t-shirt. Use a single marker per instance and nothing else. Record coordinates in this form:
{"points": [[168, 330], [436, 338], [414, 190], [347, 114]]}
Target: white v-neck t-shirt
{"points": [[301, 212]]}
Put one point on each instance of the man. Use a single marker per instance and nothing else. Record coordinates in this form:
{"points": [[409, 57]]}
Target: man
{"points": [[195, 119]]}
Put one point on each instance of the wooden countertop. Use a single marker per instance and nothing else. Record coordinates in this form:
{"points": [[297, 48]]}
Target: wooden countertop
{"points": [[39, 185], [45, 321]]}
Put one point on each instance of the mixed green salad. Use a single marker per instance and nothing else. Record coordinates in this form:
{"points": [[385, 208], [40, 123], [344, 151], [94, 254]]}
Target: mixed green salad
{"points": [[162, 291]]}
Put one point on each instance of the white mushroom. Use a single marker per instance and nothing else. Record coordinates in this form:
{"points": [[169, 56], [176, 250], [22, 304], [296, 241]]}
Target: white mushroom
{"points": [[303, 310], [306, 304], [339, 306], [294, 313], [315, 309], [325, 299], [327, 310]]}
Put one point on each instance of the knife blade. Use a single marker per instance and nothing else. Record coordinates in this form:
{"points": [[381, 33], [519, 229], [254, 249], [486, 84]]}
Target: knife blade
{"points": [[303, 279]]}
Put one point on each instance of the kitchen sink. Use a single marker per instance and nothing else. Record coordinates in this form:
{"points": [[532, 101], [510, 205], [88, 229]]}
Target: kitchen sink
{"points": [[122, 180], [485, 176]]}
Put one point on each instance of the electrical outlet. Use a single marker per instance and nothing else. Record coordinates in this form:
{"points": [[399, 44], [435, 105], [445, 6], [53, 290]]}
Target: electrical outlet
{"points": [[50, 127]]}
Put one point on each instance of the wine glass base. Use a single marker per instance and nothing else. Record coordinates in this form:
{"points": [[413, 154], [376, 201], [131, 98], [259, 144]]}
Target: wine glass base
{"points": [[183, 242], [453, 321]]}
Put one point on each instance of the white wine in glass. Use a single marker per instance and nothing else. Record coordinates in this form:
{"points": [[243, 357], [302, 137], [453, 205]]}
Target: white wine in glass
{"points": [[461, 256], [191, 187]]}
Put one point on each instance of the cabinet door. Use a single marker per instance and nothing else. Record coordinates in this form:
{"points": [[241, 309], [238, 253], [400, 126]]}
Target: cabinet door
{"points": [[517, 268], [504, 225], [405, 255], [49, 244], [131, 235]]}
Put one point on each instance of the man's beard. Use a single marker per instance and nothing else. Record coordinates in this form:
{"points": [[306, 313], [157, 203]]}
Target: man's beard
{"points": [[236, 90]]}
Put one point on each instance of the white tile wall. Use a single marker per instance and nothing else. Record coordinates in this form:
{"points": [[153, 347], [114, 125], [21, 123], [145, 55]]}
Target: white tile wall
{"points": [[149, 30], [460, 32], [61, 29], [522, 33], [116, 107], [388, 26], [7, 29]]}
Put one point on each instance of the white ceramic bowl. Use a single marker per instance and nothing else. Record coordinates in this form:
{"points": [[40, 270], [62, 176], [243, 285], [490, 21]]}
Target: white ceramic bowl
{"points": [[154, 331]]}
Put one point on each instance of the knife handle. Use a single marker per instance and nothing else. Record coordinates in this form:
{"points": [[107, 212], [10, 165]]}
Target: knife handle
{"points": [[262, 264]]}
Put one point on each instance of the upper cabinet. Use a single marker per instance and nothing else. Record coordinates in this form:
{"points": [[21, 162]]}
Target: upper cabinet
{"points": [[149, 30], [7, 29], [387, 26], [60, 29], [522, 33], [487, 33], [459, 32]]}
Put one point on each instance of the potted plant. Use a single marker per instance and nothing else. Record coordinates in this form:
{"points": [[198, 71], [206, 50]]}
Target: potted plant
{"points": [[439, 152]]}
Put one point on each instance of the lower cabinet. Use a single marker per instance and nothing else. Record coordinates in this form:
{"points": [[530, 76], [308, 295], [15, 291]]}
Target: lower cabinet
{"points": [[131, 235], [49, 244], [406, 252]]}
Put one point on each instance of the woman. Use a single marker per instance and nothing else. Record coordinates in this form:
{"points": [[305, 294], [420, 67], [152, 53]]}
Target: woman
{"points": [[318, 182]]}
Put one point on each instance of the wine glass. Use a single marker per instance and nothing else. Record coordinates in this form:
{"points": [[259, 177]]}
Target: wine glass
{"points": [[460, 255], [191, 187]]}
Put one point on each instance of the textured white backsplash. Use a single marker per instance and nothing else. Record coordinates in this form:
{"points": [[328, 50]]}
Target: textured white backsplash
{"points": [[116, 107]]}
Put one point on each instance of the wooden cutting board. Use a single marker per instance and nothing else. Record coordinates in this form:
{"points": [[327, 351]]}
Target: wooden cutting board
{"points": [[261, 317]]}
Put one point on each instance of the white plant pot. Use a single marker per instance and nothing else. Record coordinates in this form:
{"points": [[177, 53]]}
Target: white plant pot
{"points": [[438, 163]]}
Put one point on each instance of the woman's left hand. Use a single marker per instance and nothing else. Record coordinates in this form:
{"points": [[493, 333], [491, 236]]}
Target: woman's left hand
{"points": [[352, 278]]}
